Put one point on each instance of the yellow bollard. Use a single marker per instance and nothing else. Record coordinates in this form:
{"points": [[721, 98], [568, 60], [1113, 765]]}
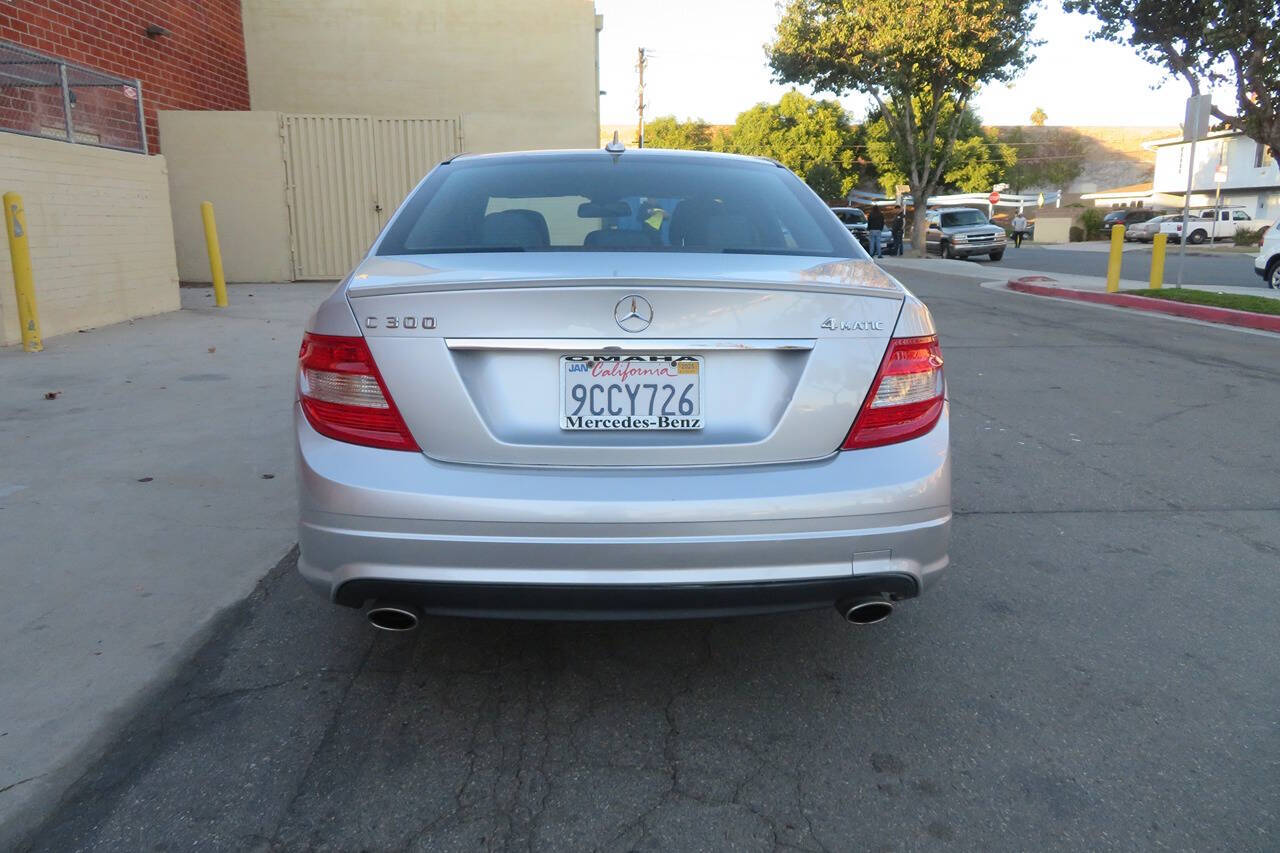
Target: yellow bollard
{"points": [[215, 254], [15, 226], [1157, 260], [1113, 263]]}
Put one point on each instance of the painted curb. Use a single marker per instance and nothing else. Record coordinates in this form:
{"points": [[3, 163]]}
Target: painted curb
{"points": [[1044, 286]]}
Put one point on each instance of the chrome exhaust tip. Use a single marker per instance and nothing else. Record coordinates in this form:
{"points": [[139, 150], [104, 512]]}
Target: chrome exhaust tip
{"points": [[867, 610], [393, 617]]}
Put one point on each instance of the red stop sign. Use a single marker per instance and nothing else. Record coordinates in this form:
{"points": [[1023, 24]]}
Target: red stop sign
{"points": [[993, 198]]}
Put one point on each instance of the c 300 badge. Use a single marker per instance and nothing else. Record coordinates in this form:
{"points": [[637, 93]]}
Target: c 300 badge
{"points": [[405, 322]]}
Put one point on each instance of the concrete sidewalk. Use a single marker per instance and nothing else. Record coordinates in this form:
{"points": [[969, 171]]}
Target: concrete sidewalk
{"points": [[1102, 247], [151, 492], [1092, 246]]}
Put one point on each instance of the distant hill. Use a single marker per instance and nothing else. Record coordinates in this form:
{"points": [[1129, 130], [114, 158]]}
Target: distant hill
{"points": [[1113, 156]]}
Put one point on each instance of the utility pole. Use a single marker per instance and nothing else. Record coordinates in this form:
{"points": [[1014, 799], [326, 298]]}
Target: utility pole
{"points": [[640, 64]]}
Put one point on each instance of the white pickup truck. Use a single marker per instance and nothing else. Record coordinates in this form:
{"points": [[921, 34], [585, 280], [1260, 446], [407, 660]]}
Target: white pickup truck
{"points": [[1209, 224]]}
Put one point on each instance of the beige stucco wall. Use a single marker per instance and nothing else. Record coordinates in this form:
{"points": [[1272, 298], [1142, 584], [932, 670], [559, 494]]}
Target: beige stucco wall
{"points": [[99, 230], [232, 159], [520, 73]]}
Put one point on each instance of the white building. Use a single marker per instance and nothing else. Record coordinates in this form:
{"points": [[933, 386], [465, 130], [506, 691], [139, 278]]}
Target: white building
{"points": [[1252, 177]]}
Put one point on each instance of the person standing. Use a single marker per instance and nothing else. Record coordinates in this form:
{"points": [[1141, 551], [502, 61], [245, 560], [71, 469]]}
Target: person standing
{"points": [[875, 225], [1019, 225], [897, 227]]}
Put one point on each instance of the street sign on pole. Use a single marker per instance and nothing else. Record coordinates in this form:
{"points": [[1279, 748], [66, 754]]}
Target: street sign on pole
{"points": [[1219, 178], [994, 197], [1194, 126]]}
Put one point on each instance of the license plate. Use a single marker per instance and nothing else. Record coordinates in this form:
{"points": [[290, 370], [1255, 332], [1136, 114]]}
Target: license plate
{"points": [[631, 392]]}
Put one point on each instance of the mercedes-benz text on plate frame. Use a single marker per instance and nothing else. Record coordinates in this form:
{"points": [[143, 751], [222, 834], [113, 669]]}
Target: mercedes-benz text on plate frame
{"points": [[620, 385]]}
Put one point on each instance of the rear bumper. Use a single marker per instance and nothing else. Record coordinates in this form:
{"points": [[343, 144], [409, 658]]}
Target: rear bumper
{"points": [[621, 543], [648, 601]]}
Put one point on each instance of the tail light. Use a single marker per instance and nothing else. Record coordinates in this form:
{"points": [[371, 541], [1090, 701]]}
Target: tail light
{"points": [[905, 400], [344, 397]]}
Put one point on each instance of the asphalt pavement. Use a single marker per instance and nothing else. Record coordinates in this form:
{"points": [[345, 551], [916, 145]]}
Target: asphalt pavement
{"points": [[1098, 671], [145, 485], [1221, 267]]}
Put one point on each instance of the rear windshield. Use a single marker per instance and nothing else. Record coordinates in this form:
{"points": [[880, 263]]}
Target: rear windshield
{"points": [[955, 218], [594, 203]]}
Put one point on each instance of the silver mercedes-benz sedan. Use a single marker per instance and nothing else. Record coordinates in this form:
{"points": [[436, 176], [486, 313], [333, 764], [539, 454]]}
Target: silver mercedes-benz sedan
{"points": [[620, 384]]}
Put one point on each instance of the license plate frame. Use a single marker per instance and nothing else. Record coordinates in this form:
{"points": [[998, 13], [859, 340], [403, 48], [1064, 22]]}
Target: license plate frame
{"points": [[641, 411]]}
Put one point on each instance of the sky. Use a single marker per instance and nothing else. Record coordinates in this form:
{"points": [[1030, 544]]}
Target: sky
{"points": [[707, 61]]}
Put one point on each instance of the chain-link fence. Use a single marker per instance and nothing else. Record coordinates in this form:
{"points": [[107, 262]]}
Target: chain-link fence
{"points": [[44, 96]]}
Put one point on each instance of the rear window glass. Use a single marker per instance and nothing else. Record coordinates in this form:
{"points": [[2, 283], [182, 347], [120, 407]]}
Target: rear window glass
{"points": [[596, 203], [960, 218]]}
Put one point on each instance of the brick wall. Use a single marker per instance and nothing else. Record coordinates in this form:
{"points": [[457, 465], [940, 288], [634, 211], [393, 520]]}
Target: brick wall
{"points": [[100, 233], [200, 65]]}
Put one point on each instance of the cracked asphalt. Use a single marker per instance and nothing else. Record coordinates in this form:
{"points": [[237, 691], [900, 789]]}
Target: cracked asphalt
{"points": [[1098, 672]]}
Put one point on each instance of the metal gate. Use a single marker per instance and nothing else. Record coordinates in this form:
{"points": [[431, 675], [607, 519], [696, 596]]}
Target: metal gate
{"points": [[345, 175]]}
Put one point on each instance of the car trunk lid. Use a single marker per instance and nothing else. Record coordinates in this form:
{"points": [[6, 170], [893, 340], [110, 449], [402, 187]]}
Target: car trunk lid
{"points": [[476, 353]]}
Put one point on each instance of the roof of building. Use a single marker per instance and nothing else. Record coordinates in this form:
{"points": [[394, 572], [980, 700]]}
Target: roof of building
{"points": [[1178, 140]]}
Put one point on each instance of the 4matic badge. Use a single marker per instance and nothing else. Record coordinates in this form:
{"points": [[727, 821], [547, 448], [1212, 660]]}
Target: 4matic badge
{"points": [[857, 326]]}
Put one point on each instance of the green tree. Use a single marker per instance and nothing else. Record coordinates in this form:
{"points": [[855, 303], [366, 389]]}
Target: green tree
{"points": [[1039, 117], [810, 137], [1208, 43], [978, 159], [920, 60], [666, 132]]}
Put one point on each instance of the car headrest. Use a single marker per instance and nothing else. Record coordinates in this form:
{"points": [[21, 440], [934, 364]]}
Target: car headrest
{"points": [[689, 221], [729, 232], [523, 228]]}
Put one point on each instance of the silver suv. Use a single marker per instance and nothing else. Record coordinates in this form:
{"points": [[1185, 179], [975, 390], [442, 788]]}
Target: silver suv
{"points": [[960, 232]]}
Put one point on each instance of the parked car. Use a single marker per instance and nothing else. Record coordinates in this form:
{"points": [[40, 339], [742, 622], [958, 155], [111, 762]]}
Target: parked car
{"points": [[1210, 224], [962, 232], [1267, 264], [524, 402], [856, 221], [1145, 231], [1126, 216]]}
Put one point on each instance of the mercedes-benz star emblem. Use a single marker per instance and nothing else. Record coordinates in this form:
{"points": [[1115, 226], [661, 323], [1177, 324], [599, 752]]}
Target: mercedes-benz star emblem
{"points": [[633, 313]]}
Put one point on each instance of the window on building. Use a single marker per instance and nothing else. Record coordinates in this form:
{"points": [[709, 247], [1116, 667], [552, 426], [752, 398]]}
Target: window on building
{"points": [[1262, 156]]}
